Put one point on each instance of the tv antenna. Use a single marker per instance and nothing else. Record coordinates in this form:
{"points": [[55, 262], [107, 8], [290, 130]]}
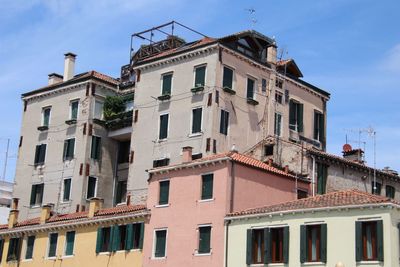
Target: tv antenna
{"points": [[253, 19]]}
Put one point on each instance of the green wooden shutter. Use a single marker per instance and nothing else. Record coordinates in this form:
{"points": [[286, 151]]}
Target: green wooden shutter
{"points": [[67, 189], [70, 240], [40, 189], [300, 118], [65, 151], [292, 115], [129, 237], [379, 237], [249, 246], [204, 239], [207, 186], [74, 110], [99, 240], [37, 151], [359, 248], [322, 128], [163, 126], [164, 192], [267, 246], [250, 88], [33, 195], [167, 84], [324, 241], [227, 78], [303, 244], [42, 153], [196, 120], [160, 243], [141, 237], [71, 146], [1, 249], [200, 76], [286, 244], [115, 238]]}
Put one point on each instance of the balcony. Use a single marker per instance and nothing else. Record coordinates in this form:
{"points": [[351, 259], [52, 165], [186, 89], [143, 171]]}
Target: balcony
{"points": [[120, 125]]}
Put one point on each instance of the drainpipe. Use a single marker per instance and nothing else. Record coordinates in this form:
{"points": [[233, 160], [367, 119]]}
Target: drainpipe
{"points": [[313, 176], [230, 210], [226, 241]]}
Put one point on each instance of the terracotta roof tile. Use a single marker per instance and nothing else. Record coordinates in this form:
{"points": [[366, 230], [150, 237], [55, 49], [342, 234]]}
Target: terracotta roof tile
{"points": [[350, 197]]}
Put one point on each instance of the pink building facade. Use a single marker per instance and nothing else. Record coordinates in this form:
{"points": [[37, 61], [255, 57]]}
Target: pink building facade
{"points": [[189, 201]]}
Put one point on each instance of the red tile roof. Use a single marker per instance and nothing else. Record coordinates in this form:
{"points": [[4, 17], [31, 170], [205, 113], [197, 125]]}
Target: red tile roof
{"points": [[350, 197], [71, 217], [234, 156]]}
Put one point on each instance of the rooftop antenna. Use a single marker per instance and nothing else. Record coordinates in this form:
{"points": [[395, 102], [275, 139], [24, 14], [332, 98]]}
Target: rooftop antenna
{"points": [[5, 160], [253, 19]]}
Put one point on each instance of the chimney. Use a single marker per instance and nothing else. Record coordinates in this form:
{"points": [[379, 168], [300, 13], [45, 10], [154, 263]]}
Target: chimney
{"points": [[46, 213], [270, 162], [13, 217], [355, 155], [55, 78], [128, 199], [286, 169], [69, 66], [271, 54], [94, 206], [187, 154]]}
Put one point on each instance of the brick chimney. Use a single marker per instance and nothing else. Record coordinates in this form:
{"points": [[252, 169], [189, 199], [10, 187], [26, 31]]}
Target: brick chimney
{"points": [[46, 212], [55, 78], [95, 204], [187, 154], [13, 217], [355, 155], [69, 66], [271, 54]]}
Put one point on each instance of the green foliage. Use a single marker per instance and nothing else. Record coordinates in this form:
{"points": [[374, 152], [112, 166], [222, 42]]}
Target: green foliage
{"points": [[113, 105]]}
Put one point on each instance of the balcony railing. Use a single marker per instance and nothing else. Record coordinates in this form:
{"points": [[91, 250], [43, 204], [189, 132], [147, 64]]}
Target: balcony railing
{"points": [[120, 120]]}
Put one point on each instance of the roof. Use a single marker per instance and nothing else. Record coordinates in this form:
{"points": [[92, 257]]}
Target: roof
{"points": [[77, 78], [83, 215], [342, 160], [291, 67], [233, 156], [350, 197]]}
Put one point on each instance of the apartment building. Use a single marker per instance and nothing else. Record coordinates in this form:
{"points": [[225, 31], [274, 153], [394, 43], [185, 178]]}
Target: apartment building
{"points": [[189, 200], [342, 228], [212, 94], [96, 237], [65, 153]]}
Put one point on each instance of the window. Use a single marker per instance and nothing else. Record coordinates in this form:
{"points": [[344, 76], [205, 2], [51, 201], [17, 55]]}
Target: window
{"points": [[313, 241], [73, 115], [46, 116], [278, 124], [278, 97], [91, 187], [302, 194], [250, 88], [279, 83], [52, 247], [224, 122], [37, 195], [103, 243], [322, 175], [69, 147], [160, 243], [163, 127], [295, 116], [207, 186], [204, 239], [121, 192], [134, 239], [67, 189], [123, 151], [119, 237], [14, 249], [196, 120], [376, 188], [98, 109], [197, 156], [160, 162], [319, 126], [268, 150], [199, 76], [69, 243], [30, 242], [166, 84], [95, 151], [1, 249], [227, 80], [268, 245], [264, 85], [390, 191], [40, 154], [164, 193], [369, 241]]}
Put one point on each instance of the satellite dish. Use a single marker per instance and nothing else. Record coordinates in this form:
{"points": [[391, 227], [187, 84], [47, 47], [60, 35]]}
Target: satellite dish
{"points": [[347, 148]]}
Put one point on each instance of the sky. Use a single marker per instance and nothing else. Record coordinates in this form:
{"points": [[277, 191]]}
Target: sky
{"points": [[350, 48]]}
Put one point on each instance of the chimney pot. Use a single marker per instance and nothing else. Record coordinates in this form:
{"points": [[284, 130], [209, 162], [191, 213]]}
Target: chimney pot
{"points": [[128, 199], [69, 66], [286, 169], [13, 218], [187, 154], [271, 54], [46, 212], [270, 161], [14, 203], [94, 205]]}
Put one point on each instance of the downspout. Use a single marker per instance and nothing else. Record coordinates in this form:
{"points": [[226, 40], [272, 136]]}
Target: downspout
{"points": [[313, 176], [230, 210]]}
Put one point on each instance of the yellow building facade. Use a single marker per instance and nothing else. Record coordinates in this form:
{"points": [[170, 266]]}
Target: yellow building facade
{"points": [[97, 237]]}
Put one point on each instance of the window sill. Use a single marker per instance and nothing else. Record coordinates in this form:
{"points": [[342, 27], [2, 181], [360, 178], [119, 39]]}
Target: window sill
{"points": [[197, 89], [229, 90], [374, 262], [202, 254], [26, 260], [162, 206], [195, 134], [164, 97], [51, 258], [161, 140], [277, 264], [71, 121], [107, 253], [66, 202], [252, 101], [159, 258], [43, 128], [67, 256], [313, 263], [206, 200], [35, 206]]}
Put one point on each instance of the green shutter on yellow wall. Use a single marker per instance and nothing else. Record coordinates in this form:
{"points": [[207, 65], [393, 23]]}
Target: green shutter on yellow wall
{"points": [[99, 240], [115, 238], [286, 244], [141, 225], [249, 243], [129, 237], [303, 244]]}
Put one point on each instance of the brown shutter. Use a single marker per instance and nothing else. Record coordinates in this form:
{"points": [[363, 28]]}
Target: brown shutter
{"points": [[87, 89], [138, 75], [131, 156], [81, 169], [209, 99], [25, 105], [135, 118], [93, 89], [87, 169], [208, 144], [90, 132], [21, 138], [84, 128], [217, 97], [214, 146]]}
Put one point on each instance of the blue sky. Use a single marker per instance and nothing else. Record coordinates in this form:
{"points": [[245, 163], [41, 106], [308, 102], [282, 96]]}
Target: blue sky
{"points": [[350, 48]]}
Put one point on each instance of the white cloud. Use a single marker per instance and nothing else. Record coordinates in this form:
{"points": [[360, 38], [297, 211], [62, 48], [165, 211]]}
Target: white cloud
{"points": [[392, 60]]}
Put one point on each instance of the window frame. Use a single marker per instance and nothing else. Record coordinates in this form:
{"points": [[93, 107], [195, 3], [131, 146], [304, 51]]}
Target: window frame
{"points": [[378, 247], [71, 102], [153, 254], [306, 242], [98, 148], [202, 199], [159, 127], [95, 188], [233, 77], [97, 100], [65, 245], [40, 163], [224, 126], [169, 73], [198, 252], [63, 190], [254, 80], [159, 203], [318, 132], [298, 116], [192, 122], [17, 253], [36, 204], [47, 257], [276, 115], [392, 190], [254, 249], [43, 116], [102, 248], [204, 65], [65, 150], [26, 241]]}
